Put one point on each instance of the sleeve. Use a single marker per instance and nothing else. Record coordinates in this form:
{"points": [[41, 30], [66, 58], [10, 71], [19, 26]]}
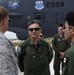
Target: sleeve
{"points": [[50, 53], [71, 64], [54, 45], [7, 64], [68, 68], [20, 50], [68, 44]]}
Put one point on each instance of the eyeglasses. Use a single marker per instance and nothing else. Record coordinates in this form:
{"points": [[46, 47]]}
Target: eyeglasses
{"points": [[9, 20], [64, 27], [31, 29]]}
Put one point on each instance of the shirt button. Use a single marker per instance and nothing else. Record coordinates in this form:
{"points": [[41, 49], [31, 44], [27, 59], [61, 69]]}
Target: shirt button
{"points": [[42, 56], [34, 57]]}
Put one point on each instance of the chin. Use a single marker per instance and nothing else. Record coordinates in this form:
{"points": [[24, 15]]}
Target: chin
{"points": [[34, 37], [66, 38]]}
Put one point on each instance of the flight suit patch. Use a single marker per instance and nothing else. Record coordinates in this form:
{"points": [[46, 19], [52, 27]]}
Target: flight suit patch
{"points": [[30, 50], [65, 61], [59, 39], [63, 38]]}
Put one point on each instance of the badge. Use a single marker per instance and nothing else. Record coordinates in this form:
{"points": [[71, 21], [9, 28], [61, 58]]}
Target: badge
{"points": [[30, 50], [59, 39], [39, 5], [19, 49], [13, 4], [63, 38], [64, 60]]}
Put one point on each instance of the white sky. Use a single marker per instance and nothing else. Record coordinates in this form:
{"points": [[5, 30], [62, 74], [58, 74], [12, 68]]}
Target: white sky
{"points": [[10, 35]]}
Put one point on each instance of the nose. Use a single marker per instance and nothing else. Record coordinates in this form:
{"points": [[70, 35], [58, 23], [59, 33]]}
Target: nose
{"points": [[33, 30], [63, 30]]}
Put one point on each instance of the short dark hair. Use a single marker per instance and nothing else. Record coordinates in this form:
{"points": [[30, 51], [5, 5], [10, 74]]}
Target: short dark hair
{"points": [[3, 13], [34, 21], [70, 18], [60, 25]]}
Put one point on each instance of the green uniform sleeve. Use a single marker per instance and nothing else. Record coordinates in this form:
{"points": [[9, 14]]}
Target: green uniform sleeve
{"points": [[50, 53], [20, 57], [54, 45], [71, 66], [68, 44]]}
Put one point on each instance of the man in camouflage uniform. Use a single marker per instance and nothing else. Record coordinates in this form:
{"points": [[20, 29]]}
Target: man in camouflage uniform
{"points": [[60, 45], [36, 54], [8, 58], [69, 35]]}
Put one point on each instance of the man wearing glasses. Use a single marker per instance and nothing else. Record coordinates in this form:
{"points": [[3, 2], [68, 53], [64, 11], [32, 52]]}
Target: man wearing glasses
{"points": [[35, 54], [69, 35]]}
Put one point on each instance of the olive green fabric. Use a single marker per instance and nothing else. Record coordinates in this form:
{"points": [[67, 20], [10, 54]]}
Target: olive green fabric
{"points": [[69, 61], [36, 58], [59, 45]]}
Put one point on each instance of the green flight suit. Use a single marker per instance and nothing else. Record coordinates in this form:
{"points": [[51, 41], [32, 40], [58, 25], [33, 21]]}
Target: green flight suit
{"points": [[69, 61], [59, 45], [35, 59]]}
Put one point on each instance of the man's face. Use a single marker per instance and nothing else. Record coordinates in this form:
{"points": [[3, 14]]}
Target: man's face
{"points": [[41, 36], [6, 23], [34, 30], [60, 30], [68, 30]]}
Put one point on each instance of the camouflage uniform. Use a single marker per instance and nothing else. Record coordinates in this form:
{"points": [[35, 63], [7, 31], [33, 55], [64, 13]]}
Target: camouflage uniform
{"points": [[35, 59], [8, 58]]}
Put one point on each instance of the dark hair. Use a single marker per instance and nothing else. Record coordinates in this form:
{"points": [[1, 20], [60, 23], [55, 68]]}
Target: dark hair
{"points": [[70, 18], [3, 13], [34, 21], [60, 25]]}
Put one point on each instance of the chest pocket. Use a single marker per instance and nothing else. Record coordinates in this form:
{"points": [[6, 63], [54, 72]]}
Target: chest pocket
{"points": [[36, 61]]}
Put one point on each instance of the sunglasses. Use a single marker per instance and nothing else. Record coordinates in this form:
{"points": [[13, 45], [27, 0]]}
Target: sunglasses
{"points": [[36, 29], [64, 27], [9, 20]]}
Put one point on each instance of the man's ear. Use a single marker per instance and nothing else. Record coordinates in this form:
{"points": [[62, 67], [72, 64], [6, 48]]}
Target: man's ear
{"points": [[3, 22], [73, 31]]}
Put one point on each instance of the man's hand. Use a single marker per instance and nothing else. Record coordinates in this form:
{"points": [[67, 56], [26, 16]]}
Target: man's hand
{"points": [[62, 55]]}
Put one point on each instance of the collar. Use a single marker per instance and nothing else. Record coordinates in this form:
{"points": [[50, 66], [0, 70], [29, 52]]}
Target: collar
{"points": [[38, 43], [72, 43], [1, 32], [61, 36]]}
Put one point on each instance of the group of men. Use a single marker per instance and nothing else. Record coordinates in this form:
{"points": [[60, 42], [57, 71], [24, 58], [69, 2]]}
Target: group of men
{"points": [[35, 54]]}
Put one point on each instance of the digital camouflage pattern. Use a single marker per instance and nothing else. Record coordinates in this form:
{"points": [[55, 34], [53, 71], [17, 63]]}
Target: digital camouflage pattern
{"points": [[8, 57]]}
